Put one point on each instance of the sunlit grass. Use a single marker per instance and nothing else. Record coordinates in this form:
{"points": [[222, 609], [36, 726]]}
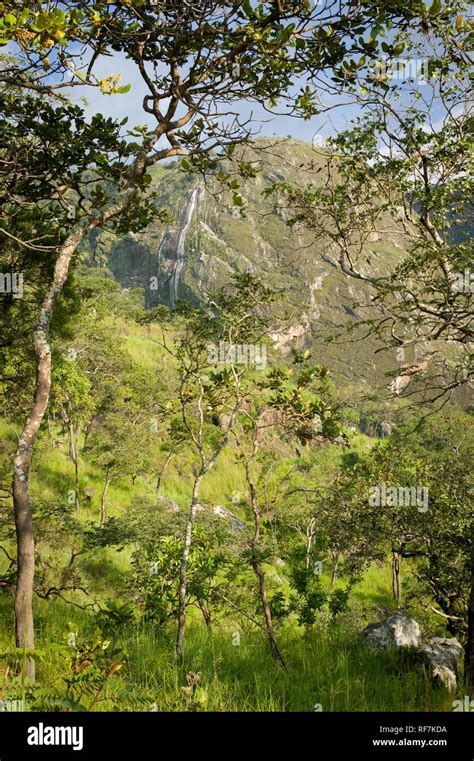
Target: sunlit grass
{"points": [[328, 669]]}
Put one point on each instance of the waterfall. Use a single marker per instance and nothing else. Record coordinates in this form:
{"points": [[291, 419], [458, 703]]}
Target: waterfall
{"points": [[180, 254]]}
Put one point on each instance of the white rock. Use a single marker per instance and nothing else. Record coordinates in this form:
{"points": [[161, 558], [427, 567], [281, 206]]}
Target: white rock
{"points": [[443, 655], [398, 631]]}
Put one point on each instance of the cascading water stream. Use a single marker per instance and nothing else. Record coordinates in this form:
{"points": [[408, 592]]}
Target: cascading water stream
{"points": [[180, 253]]}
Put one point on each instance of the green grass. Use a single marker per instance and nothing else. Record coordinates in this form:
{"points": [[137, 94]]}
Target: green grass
{"points": [[329, 669]]}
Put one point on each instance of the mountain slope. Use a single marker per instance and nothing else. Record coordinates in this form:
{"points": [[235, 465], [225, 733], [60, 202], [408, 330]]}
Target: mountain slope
{"points": [[210, 239]]}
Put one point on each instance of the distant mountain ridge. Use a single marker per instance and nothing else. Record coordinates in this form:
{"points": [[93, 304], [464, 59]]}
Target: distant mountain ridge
{"points": [[210, 239]]}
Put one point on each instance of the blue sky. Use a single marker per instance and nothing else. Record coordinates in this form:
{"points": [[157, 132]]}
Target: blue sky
{"points": [[130, 104], [267, 124]]}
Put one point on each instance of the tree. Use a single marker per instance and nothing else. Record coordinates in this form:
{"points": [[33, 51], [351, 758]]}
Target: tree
{"points": [[400, 172], [293, 403], [71, 395], [195, 62], [410, 498], [114, 446], [209, 399], [34, 126], [402, 169]]}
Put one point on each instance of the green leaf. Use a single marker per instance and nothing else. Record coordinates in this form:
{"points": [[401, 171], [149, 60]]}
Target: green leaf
{"points": [[247, 8], [123, 89], [42, 22]]}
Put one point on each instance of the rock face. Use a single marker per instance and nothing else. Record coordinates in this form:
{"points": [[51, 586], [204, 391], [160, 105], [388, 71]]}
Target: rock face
{"points": [[443, 656], [398, 631], [223, 512], [210, 239]]}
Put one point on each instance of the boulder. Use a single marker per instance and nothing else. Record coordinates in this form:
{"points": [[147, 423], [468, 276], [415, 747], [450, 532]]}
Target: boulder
{"points": [[395, 632], [223, 512], [278, 561], [443, 656], [399, 632], [168, 504]]}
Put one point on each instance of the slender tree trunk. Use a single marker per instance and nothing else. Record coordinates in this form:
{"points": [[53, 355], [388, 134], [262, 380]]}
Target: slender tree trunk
{"points": [[469, 651], [258, 571], [76, 486], [206, 466], [206, 613], [183, 573], [73, 455], [334, 567], [24, 623], [169, 457], [103, 511], [396, 578], [267, 613], [87, 431], [309, 540]]}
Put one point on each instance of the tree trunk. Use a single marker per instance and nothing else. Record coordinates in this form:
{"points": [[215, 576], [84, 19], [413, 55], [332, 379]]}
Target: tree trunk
{"points": [[169, 457], [87, 431], [309, 540], [73, 456], [267, 613], [469, 651], [24, 623], [259, 573], [206, 613], [188, 537], [396, 578], [334, 567], [183, 573], [103, 512]]}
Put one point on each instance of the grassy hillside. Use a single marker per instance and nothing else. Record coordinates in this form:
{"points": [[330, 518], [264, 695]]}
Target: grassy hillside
{"points": [[228, 666]]}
